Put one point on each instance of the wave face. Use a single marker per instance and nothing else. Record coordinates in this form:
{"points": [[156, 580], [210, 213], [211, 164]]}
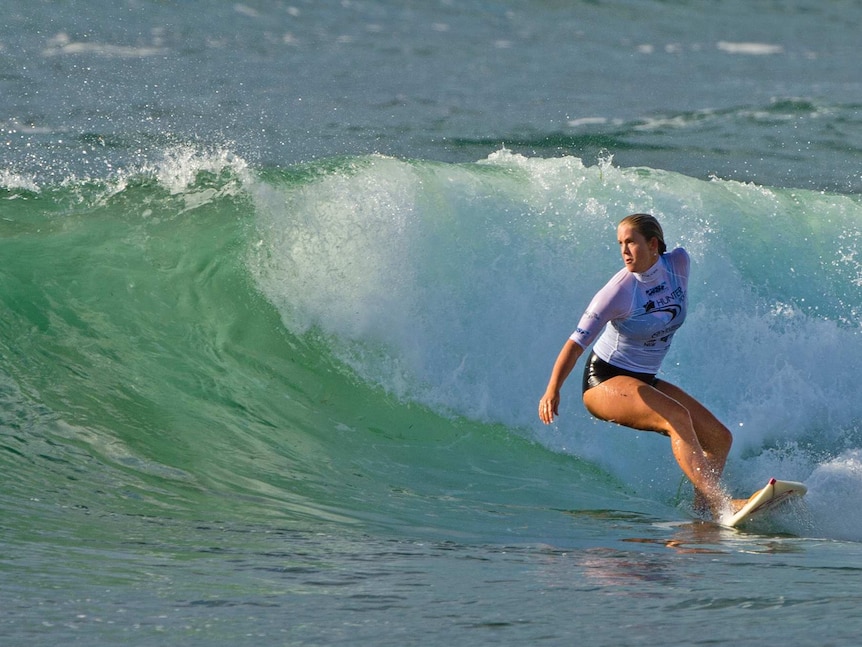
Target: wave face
{"points": [[363, 340]]}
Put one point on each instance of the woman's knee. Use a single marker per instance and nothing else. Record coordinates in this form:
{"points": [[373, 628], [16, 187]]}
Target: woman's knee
{"points": [[724, 438], [704, 419], [706, 425]]}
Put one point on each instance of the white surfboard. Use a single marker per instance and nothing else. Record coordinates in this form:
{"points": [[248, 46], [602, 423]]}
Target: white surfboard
{"points": [[774, 493]]}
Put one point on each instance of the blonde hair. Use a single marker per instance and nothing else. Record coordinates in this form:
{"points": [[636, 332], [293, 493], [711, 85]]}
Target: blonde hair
{"points": [[648, 227]]}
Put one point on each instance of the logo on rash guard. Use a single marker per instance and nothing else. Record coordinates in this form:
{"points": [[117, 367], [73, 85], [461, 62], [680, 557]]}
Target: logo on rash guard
{"points": [[666, 304], [673, 309], [656, 290]]}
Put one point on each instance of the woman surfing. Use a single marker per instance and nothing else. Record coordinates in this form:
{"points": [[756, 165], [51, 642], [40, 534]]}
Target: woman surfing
{"points": [[645, 303]]}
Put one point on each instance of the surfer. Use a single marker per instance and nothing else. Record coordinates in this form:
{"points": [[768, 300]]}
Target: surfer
{"points": [[644, 303]]}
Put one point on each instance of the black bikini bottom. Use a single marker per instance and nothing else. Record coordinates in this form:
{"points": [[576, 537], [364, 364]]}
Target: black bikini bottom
{"points": [[597, 371]]}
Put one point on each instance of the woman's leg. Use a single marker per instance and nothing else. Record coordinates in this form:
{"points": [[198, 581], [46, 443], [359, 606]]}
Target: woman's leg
{"points": [[630, 402], [713, 436]]}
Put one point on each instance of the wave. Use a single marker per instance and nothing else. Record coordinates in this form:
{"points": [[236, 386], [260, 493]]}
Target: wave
{"points": [[361, 341], [746, 143]]}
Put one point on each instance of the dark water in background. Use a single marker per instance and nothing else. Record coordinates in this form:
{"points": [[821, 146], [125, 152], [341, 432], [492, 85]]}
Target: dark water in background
{"points": [[764, 93], [282, 283]]}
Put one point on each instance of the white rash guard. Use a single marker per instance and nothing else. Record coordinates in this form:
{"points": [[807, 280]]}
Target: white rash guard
{"points": [[644, 310]]}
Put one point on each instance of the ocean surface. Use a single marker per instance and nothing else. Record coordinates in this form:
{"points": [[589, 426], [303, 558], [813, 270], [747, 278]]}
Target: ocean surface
{"points": [[283, 281]]}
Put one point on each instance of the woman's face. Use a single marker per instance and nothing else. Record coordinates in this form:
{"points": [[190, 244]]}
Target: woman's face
{"points": [[638, 254]]}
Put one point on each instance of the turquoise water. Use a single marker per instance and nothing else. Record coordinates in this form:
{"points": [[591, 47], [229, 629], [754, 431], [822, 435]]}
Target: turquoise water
{"points": [[280, 291]]}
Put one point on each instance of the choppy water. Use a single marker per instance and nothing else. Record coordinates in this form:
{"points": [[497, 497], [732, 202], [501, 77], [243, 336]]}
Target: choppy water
{"points": [[282, 283]]}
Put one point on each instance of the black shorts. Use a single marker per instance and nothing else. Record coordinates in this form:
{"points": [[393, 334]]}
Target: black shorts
{"points": [[597, 371]]}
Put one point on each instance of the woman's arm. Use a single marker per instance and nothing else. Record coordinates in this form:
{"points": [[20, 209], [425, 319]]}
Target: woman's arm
{"points": [[550, 403]]}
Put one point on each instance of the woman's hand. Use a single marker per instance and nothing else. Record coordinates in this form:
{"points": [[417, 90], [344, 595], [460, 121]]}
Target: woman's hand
{"points": [[549, 407]]}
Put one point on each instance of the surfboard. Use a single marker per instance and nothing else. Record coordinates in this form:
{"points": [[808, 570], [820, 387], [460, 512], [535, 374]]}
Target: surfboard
{"points": [[774, 493]]}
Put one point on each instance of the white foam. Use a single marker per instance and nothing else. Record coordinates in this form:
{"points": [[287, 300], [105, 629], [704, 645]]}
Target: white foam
{"points": [[835, 496], [62, 45], [750, 49]]}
